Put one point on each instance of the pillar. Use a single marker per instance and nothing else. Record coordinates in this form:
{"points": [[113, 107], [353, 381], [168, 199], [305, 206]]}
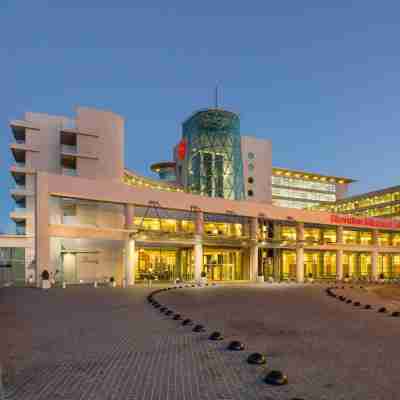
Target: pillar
{"points": [[253, 262], [253, 225], [129, 214], [198, 246], [339, 264], [300, 252], [374, 255], [374, 265], [199, 223], [129, 262], [198, 259], [339, 253], [277, 252], [42, 221]]}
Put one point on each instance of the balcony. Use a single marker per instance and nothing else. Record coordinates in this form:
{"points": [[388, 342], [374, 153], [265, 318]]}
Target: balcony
{"points": [[19, 191], [19, 213], [69, 172], [69, 149]]}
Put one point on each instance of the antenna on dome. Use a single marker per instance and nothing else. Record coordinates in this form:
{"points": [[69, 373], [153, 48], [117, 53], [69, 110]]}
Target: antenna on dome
{"points": [[216, 95]]}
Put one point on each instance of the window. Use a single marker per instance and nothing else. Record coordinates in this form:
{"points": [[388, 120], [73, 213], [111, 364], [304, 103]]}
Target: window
{"points": [[250, 193], [250, 179], [251, 156], [251, 167]]}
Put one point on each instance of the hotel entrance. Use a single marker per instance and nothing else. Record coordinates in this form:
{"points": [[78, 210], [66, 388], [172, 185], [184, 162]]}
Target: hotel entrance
{"points": [[223, 264], [165, 264]]}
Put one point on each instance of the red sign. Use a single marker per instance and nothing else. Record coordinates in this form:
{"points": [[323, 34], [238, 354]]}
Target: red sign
{"points": [[181, 150], [365, 221]]}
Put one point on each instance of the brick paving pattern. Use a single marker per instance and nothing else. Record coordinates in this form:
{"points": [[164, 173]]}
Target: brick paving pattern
{"points": [[86, 343]]}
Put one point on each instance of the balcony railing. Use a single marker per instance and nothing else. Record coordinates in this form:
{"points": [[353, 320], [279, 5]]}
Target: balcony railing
{"points": [[20, 164], [19, 187], [19, 210], [69, 171], [20, 230], [19, 141], [65, 148]]}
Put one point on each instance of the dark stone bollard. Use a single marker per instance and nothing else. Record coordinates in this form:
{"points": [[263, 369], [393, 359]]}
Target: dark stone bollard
{"points": [[177, 317], [216, 336], [162, 309], [367, 307], [169, 312], [382, 310], [199, 328], [396, 314], [187, 322], [236, 345], [276, 378], [357, 304], [349, 301], [256, 358]]}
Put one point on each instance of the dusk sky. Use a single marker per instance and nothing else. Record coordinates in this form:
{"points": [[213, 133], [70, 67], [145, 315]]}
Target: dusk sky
{"points": [[318, 78]]}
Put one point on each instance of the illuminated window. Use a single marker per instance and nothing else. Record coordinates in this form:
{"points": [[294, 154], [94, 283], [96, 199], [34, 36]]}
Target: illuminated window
{"points": [[350, 237], [250, 193], [365, 238], [312, 234], [250, 179], [288, 233], [383, 239], [251, 167], [251, 156], [396, 239], [329, 235]]}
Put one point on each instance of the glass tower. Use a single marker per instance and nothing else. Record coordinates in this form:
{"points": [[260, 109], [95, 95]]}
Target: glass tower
{"points": [[214, 158]]}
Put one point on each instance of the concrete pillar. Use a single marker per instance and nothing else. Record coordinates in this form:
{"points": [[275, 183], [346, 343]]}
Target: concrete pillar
{"points": [[198, 259], [339, 253], [300, 264], [42, 217], [253, 263], [339, 264], [199, 223], [375, 237], [129, 213], [339, 234], [253, 228], [300, 252], [374, 265], [129, 262]]}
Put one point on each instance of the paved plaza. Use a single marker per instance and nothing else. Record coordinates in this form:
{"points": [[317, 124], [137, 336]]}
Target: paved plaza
{"points": [[86, 343]]}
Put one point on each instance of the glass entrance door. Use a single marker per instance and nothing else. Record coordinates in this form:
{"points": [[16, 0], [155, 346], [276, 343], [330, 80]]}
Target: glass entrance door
{"points": [[223, 264]]}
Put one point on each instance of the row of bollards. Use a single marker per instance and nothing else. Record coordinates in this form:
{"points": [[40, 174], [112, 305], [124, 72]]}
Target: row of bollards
{"points": [[273, 377], [330, 292]]}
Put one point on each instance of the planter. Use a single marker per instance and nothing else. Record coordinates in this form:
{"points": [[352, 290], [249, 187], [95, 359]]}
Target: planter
{"points": [[46, 284]]}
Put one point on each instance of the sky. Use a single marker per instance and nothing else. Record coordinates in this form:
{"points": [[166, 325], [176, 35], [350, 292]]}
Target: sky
{"points": [[319, 78]]}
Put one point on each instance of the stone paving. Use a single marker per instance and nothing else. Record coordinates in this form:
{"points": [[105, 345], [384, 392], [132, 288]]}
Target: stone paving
{"points": [[86, 343]]}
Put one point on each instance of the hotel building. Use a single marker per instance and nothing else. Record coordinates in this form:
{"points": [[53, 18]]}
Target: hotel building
{"points": [[213, 209], [380, 203]]}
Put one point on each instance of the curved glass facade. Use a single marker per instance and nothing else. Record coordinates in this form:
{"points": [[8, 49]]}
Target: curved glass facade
{"points": [[214, 158]]}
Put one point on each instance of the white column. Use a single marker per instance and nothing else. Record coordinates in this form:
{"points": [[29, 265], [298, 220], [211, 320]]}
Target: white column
{"points": [[339, 253], [129, 214], [374, 264], [300, 252], [198, 259], [129, 262], [374, 255], [253, 263], [339, 264]]}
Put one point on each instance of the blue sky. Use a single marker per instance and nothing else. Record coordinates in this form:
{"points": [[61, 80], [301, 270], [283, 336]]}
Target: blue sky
{"points": [[318, 78]]}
